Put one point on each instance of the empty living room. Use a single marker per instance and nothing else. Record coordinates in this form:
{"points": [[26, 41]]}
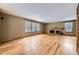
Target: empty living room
{"points": [[39, 29]]}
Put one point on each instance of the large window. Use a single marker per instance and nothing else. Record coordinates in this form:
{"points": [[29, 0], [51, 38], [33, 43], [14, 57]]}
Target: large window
{"points": [[38, 27], [27, 26], [32, 26], [68, 27]]}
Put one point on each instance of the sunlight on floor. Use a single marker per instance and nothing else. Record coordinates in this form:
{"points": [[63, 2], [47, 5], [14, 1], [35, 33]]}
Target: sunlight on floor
{"points": [[68, 45]]}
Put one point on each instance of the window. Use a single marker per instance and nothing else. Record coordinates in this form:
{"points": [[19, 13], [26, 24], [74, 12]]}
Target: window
{"points": [[35, 27], [38, 27], [27, 26], [32, 26], [68, 27]]}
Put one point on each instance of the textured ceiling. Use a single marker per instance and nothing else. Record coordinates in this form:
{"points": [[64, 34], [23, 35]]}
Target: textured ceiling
{"points": [[42, 12]]}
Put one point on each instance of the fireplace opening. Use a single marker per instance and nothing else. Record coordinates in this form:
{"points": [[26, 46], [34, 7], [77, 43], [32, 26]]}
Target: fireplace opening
{"points": [[52, 31], [56, 31]]}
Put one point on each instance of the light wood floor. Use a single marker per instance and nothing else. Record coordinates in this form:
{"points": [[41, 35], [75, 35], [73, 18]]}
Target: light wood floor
{"points": [[42, 44]]}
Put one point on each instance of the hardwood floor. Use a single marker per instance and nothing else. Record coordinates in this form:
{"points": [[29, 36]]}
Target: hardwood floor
{"points": [[42, 44]]}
